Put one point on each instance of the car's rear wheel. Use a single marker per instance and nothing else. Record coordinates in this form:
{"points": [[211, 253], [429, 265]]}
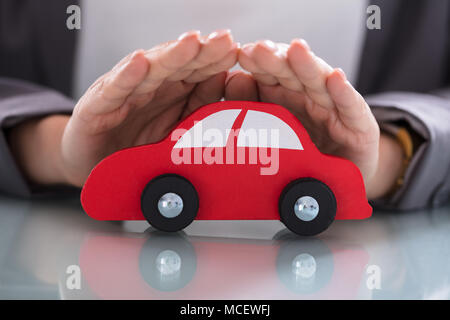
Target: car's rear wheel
{"points": [[307, 206], [169, 202]]}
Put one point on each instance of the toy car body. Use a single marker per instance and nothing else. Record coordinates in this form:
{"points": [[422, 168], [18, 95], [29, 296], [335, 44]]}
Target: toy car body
{"points": [[280, 174]]}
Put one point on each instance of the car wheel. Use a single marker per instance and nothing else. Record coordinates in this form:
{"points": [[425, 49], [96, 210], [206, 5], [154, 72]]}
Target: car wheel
{"points": [[307, 206], [169, 202]]}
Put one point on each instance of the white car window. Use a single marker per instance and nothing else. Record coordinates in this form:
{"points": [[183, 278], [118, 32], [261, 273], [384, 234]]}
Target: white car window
{"points": [[261, 129], [212, 131]]}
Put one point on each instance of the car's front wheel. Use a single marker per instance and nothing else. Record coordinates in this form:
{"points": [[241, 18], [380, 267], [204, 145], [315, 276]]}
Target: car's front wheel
{"points": [[169, 202], [307, 206]]}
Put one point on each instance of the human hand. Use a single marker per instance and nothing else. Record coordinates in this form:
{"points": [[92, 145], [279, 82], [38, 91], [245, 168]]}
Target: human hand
{"points": [[336, 116], [143, 97], [138, 102]]}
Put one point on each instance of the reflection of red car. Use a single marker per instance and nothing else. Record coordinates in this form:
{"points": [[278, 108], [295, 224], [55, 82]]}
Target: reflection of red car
{"points": [[228, 161], [167, 266]]}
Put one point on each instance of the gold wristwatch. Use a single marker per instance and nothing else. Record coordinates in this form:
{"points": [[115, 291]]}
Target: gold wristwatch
{"points": [[405, 139]]}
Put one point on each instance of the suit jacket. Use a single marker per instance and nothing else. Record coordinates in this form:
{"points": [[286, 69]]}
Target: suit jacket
{"points": [[404, 75]]}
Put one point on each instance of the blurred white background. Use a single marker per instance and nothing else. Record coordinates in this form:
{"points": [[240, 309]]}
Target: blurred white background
{"points": [[110, 29]]}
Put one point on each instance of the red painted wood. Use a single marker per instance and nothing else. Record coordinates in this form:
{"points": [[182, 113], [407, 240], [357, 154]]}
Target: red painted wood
{"points": [[226, 191]]}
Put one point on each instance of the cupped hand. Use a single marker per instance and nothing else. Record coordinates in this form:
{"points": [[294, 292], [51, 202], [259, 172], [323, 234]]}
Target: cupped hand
{"points": [[143, 97], [335, 115]]}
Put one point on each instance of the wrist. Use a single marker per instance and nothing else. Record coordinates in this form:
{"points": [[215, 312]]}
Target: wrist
{"points": [[389, 168], [36, 145]]}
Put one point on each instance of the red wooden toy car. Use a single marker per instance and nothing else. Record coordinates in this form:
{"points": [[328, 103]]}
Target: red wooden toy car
{"points": [[228, 160]]}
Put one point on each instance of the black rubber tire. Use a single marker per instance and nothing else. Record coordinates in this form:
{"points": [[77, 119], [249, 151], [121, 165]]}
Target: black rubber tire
{"points": [[307, 187], [156, 188]]}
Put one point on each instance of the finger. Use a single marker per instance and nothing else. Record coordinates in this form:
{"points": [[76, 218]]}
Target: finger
{"points": [[352, 109], [271, 58], [208, 91], [247, 62], [311, 71], [168, 59], [213, 49], [265, 79], [245, 59], [112, 90], [226, 63], [241, 86]]}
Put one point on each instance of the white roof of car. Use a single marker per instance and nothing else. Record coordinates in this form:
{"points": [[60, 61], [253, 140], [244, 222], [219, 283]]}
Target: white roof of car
{"points": [[259, 129]]}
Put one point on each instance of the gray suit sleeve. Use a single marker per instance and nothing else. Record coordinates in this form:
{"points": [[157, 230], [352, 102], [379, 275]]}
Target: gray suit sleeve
{"points": [[427, 179], [20, 101]]}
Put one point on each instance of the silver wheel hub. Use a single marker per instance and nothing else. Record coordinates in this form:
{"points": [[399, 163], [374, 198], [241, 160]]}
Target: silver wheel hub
{"points": [[306, 208], [170, 205]]}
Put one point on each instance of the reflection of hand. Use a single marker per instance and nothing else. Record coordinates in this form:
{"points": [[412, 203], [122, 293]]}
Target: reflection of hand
{"points": [[335, 115], [137, 102]]}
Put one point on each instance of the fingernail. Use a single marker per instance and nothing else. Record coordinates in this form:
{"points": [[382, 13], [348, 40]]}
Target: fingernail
{"points": [[270, 45], [247, 47], [219, 34], [230, 76], [136, 53], [187, 34], [342, 73], [282, 49], [305, 44], [184, 35], [235, 45], [301, 42]]}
